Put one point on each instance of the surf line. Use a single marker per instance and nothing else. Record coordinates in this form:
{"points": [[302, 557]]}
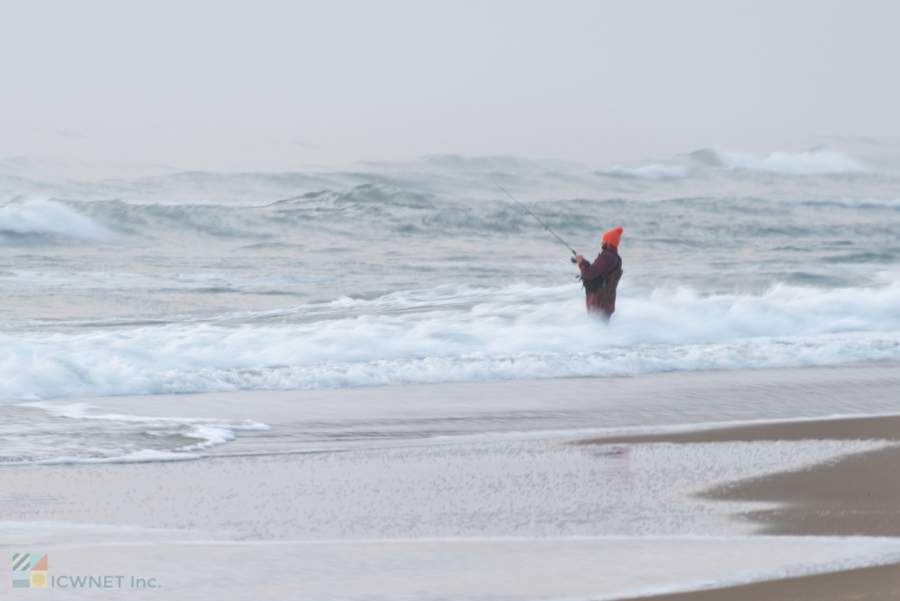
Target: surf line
{"points": [[546, 227]]}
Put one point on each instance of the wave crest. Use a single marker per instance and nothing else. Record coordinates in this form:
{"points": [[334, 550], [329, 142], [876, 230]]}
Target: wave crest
{"points": [[817, 161], [453, 333], [48, 218], [653, 172]]}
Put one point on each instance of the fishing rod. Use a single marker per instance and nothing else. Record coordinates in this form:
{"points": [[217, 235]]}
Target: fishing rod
{"points": [[546, 227]]}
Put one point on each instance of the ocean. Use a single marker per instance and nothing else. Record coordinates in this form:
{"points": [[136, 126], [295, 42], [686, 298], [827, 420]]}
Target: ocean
{"points": [[424, 272]]}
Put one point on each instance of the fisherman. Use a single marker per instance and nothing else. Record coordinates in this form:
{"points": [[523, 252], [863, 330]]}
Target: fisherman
{"points": [[601, 278]]}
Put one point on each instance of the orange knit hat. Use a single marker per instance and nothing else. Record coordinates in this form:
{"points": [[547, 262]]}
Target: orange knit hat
{"points": [[613, 236]]}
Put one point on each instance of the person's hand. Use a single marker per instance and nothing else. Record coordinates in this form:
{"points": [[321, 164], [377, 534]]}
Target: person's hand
{"points": [[579, 258]]}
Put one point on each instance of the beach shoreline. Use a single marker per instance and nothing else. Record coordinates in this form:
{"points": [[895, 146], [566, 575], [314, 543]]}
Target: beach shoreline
{"points": [[583, 492], [856, 495]]}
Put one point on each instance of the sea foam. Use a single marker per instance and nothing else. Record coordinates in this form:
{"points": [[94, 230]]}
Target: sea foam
{"points": [[37, 217], [460, 333], [815, 161]]}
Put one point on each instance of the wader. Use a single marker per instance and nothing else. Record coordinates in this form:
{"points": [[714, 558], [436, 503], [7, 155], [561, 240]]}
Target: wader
{"points": [[600, 293]]}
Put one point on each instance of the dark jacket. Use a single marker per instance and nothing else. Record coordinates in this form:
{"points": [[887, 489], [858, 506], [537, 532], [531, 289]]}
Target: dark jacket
{"points": [[601, 280], [605, 263]]}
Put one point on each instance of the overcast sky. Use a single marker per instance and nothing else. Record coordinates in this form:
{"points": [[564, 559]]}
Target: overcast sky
{"points": [[277, 85]]}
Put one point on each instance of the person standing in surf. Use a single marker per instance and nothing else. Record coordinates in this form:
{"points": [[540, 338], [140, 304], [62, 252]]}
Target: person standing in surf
{"points": [[601, 277]]}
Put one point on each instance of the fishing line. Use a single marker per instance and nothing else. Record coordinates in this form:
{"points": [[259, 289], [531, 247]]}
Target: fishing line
{"points": [[546, 227]]}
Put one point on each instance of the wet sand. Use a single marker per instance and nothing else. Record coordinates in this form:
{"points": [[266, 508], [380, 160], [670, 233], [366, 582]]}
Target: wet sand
{"points": [[856, 495], [517, 503], [854, 428]]}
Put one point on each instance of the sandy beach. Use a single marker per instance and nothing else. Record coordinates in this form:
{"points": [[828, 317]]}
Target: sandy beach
{"points": [[590, 505], [855, 496]]}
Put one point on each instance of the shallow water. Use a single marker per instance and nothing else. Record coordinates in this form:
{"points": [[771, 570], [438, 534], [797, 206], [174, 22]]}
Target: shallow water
{"points": [[501, 520]]}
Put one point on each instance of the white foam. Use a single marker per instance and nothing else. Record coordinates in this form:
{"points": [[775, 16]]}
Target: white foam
{"points": [[142, 456], [85, 411], [452, 334], [45, 217], [42, 433], [815, 161]]}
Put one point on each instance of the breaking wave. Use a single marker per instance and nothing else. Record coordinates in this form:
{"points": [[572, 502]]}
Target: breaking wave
{"points": [[653, 172], [812, 162], [48, 218], [452, 334], [37, 433]]}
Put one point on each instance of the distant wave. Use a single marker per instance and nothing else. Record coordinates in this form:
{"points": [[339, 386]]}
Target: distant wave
{"points": [[455, 178], [653, 172], [810, 162], [818, 161], [43, 217]]}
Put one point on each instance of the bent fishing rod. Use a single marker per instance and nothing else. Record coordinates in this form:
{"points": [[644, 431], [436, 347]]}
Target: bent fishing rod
{"points": [[546, 227]]}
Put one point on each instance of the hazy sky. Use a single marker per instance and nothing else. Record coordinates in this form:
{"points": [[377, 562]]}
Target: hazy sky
{"points": [[276, 85]]}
